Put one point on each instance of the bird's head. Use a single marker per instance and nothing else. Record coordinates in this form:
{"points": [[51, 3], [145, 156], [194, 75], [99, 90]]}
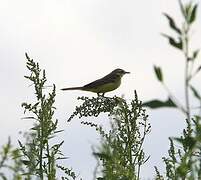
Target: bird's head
{"points": [[120, 72]]}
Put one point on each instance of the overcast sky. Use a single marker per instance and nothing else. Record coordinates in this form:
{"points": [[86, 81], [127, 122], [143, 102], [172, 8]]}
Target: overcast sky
{"points": [[78, 41]]}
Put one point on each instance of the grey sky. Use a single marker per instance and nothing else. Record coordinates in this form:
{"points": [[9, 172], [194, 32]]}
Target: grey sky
{"points": [[77, 41]]}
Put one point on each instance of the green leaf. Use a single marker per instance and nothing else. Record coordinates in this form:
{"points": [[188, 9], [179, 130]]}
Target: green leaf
{"points": [[187, 141], [188, 10], [195, 93], [172, 23], [102, 155], [25, 162], [198, 69], [192, 16], [183, 169], [159, 104], [27, 56], [28, 118], [177, 44], [197, 118], [195, 53], [182, 9], [158, 73]]}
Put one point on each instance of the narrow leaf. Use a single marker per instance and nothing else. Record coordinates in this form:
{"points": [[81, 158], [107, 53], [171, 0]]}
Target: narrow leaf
{"points": [[195, 93], [172, 23], [198, 69], [102, 155], [182, 9], [173, 42], [58, 131], [27, 56], [193, 14], [195, 53], [188, 10], [28, 118], [25, 162], [158, 73], [20, 144], [159, 104]]}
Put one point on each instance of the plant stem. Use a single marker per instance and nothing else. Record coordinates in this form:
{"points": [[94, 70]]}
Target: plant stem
{"points": [[187, 91], [186, 54], [41, 137]]}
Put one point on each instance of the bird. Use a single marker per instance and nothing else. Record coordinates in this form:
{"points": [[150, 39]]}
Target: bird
{"points": [[108, 83]]}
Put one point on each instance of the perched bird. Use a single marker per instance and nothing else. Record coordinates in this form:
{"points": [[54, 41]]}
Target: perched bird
{"points": [[108, 83]]}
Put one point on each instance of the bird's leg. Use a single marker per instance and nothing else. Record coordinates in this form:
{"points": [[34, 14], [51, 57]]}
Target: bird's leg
{"points": [[99, 94]]}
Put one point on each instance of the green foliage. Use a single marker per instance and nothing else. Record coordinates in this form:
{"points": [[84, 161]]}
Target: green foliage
{"points": [[195, 93], [10, 160], [158, 73], [40, 155], [173, 42], [158, 175], [159, 104], [188, 11], [68, 172], [172, 23], [95, 106], [121, 153], [183, 161]]}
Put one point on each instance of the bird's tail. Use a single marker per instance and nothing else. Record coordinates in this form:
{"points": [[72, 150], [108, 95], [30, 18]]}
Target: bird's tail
{"points": [[72, 88]]}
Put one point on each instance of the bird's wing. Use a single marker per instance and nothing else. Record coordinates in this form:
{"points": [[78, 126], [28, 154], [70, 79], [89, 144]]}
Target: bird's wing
{"points": [[106, 79]]}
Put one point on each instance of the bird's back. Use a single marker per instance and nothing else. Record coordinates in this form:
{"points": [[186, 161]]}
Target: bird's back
{"points": [[109, 82]]}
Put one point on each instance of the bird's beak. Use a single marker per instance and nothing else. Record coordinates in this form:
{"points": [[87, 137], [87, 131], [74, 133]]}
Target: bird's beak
{"points": [[127, 72]]}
